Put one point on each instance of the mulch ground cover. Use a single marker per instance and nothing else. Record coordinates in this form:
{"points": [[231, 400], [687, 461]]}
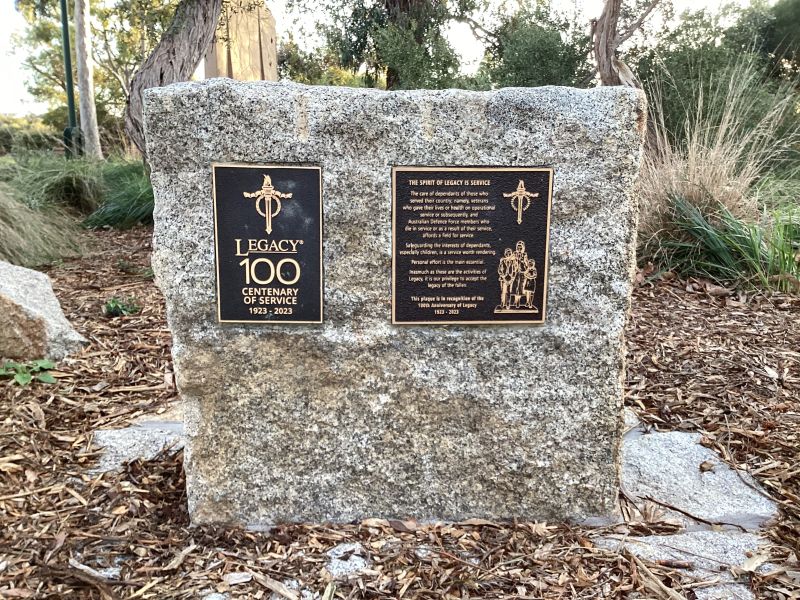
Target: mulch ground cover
{"points": [[700, 359]]}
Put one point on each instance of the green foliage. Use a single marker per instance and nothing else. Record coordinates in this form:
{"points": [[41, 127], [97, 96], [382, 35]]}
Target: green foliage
{"points": [[31, 237], [319, 67], [119, 307], [25, 373], [421, 57], [127, 196], [731, 251], [125, 32], [396, 42], [783, 36], [693, 63], [537, 47], [45, 179], [114, 193]]}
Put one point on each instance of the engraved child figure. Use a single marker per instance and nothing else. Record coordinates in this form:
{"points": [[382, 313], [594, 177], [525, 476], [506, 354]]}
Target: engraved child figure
{"points": [[507, 271], [530, 282]]}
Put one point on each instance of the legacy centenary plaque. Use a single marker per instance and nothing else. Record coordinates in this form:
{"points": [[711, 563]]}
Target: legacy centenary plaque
{"points": [[470, 244], [268, 243]]}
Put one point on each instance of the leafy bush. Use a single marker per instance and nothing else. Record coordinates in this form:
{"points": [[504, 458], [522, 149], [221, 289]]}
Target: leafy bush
{"points": [[530, 54], [31, 237], [128, 196]]}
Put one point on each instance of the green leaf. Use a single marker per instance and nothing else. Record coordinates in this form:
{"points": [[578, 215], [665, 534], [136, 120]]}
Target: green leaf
{"points": [[44, 364], [46, 377], [23, 378]]}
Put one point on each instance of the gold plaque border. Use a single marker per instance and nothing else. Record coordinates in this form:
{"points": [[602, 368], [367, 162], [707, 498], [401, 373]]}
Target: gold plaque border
{"points": [[317, 168], [412, 169]]}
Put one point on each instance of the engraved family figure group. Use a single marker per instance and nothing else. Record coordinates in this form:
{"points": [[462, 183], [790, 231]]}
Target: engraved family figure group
{"points": [[517, 274]]}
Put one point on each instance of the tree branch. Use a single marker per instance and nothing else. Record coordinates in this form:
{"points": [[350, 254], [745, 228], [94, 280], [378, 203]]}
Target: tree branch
{"points": [[623, 37]]}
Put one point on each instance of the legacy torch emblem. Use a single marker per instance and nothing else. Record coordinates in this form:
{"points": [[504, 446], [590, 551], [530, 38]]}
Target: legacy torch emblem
{"points": [[271, 199], [520, 200]]}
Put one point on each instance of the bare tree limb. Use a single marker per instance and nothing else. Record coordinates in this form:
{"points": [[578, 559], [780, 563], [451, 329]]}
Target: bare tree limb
{"points": [[622, 38]]}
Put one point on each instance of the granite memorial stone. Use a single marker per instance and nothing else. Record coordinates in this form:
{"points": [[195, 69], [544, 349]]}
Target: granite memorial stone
{"points": [[513, 409]]}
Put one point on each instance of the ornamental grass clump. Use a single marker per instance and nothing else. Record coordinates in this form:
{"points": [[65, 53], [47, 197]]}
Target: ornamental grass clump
{"points": [[728, 250], [712, 202], [31, 237], [724, 151]]}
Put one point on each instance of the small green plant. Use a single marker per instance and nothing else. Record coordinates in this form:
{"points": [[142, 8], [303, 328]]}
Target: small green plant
{"points": [[24, 373], [118, 307]]}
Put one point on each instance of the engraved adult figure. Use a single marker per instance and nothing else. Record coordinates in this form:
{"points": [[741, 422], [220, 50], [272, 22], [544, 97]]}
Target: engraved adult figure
{"points": [[522, 278], [507, 271]]}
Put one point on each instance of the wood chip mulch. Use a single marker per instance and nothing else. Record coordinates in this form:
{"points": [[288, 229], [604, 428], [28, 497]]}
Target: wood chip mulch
{"points": [[700, 359]]}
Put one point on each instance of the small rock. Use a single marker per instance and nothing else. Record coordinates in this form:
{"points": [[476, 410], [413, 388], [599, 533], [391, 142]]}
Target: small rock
{"points": [[215, 596], [124, 445], [673, 468], [237, 578], [346, 560], [712, 554], [732, 591], [32, 324]]}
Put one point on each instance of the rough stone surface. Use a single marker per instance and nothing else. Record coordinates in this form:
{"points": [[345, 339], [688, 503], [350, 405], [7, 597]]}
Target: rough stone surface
{"points": [[140, 441], [666, 467], [32, 324], [357, 417], [711, 554], [346, 560]]}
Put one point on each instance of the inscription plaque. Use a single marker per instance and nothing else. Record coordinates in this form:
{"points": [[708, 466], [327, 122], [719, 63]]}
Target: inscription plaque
{"points": [[268, 243], [470, 244]]}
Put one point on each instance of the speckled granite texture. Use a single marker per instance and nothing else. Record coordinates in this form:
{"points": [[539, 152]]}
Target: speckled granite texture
{"points": [[357, 417], [32, 324]]}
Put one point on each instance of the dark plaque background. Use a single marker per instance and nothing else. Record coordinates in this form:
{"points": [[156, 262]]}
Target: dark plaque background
{"points": [[479, 299], [300, 218]]}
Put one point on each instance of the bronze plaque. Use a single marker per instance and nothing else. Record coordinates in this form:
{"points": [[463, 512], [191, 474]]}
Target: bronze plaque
{"points": [[268, 243], [470, 244]]}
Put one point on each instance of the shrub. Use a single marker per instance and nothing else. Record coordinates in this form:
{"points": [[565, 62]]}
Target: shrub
{"points": [[31, 237]]}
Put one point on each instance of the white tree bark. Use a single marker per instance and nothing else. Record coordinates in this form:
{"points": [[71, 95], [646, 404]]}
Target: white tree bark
{"points": [[83, 52]]}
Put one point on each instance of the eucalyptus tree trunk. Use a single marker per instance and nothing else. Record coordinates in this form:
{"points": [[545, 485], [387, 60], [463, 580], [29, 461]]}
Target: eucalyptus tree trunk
{"points": [[605, 42], [174, 59], [83, 52]]}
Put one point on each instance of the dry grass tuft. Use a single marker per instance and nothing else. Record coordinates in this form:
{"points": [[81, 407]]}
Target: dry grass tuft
{"points": [[726, 147], [30, 237]]}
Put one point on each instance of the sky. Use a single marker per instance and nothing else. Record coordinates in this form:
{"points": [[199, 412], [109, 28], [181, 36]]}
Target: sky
{"points": [[15, 99]]}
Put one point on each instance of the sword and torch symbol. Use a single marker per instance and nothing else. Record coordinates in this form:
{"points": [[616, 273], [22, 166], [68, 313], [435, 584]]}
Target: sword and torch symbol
{"points": [[270, 199], [520, 199]]}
